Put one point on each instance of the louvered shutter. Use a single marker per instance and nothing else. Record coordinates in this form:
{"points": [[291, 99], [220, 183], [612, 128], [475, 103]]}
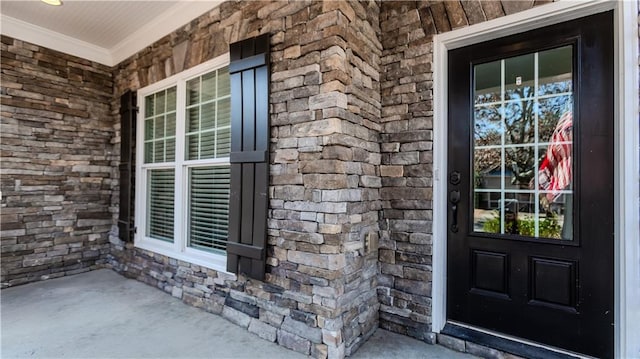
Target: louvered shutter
{"points": [[249, 70], [128, 111]]}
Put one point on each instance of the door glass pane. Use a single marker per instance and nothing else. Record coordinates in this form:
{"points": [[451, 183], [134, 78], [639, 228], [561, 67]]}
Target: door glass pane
{"points": [[523, 145], [519, 119], [519, 167], [519, 77], [488, 125], [487, 169], [487, 83], [549, 112], [555, 71]]}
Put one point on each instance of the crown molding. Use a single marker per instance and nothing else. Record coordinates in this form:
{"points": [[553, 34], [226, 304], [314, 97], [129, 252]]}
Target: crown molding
{"points": [[40, 36], [170, 20]]}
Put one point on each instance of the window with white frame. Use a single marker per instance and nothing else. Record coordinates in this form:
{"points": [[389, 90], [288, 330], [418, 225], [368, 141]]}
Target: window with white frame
{"points": [[183, 142]]}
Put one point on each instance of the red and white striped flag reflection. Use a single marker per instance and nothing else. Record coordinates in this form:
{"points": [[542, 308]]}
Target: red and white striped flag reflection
{"points": [[555, 173]]}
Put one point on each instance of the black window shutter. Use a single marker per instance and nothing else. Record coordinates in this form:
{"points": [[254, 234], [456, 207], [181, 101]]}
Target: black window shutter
{"points": [[128, 112], [249, 70]]}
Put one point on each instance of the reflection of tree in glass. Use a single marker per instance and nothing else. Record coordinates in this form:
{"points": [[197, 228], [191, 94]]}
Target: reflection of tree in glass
{"points": [[487, 131], [550, 110], [519, 128]]}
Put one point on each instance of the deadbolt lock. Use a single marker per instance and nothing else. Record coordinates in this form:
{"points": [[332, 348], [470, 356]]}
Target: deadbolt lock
{"points": [[454, 178]]}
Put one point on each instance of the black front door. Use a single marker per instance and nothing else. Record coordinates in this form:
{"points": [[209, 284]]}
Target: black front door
{"points": [[530, 173]]}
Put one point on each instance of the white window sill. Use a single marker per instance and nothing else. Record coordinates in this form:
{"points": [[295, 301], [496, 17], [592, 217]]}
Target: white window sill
{"points": [[213, 261]]}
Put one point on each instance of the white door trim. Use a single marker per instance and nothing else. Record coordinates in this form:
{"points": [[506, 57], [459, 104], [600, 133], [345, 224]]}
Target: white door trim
{"points": [[627, 159]]}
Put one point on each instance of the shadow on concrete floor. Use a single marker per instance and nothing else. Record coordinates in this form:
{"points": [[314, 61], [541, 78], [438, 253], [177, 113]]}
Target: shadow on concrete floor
{"points": [[101, 314]]}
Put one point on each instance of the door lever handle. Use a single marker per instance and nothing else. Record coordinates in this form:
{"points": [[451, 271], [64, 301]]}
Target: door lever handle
{"points": [[454, 198]]}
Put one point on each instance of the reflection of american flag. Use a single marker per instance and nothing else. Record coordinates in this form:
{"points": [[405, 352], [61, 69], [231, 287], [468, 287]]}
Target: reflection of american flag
{"points": [[555, 170]]}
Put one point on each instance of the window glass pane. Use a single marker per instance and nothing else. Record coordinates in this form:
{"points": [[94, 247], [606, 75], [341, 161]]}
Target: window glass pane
{"points": [[224, 112], [556, 165], [160, 126], [519, 77], [170, 150], [171, 99], [487, 82], [160, 210], [158, 151], [208, 116], [208, 87], [487, 169], [171, 124], [520, 168], [523, 143], [148, 129], [158, 132], [556, 217], [148, 152], [555, 69], [193, 119], [209, 208], [486, 210], [223, 143], [519, 121], [207, 144], [193, 91], [224, 86], [488, 125], [160, 102], [149, 106], [549, 112], [192, 147]]}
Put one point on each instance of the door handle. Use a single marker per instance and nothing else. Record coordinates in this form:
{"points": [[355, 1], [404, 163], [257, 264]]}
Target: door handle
{"points": [[454, 198]]}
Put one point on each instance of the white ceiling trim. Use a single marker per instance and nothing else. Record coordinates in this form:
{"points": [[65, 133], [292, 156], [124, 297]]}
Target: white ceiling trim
{"points": [[40, 36], [170, 20]]}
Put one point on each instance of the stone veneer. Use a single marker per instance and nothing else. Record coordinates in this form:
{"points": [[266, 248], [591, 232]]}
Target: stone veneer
{"points": [[404, 281], [57, 166], [351, 118], [319, 295]]}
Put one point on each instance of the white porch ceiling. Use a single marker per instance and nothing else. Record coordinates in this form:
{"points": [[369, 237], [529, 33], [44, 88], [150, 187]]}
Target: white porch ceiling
{"points": [[103, 31]]}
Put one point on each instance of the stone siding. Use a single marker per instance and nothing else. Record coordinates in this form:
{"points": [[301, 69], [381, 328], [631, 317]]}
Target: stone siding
{"points": [[57, 164], [350, 211], [319, 295], [406, 83]]}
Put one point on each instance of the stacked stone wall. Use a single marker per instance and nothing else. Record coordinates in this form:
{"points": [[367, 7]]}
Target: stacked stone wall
{"points": [[406, 169], [319, 295], [56, 168]]}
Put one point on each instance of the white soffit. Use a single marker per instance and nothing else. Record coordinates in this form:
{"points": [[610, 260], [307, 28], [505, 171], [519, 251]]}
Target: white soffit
{"points": [[106, 32]]}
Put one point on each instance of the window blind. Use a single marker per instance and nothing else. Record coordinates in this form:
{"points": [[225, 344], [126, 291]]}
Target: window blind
{"points": [[161, 204], [209, 207]]}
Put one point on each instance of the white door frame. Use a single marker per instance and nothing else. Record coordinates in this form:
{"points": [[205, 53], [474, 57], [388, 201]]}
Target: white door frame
{"points": [[627, 159]]}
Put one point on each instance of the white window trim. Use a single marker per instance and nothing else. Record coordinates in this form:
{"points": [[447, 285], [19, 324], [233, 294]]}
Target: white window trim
{"points": [[627, 172], [178, 249]]}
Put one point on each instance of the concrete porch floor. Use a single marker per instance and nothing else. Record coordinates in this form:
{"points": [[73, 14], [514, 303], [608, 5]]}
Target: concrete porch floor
{"points": [[101, 314]]}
